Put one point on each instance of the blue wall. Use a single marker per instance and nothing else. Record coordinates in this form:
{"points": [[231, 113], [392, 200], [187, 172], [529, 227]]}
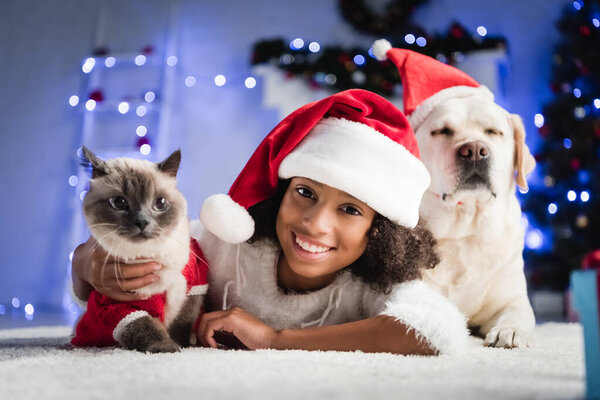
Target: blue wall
{"points": [[42, 44]]}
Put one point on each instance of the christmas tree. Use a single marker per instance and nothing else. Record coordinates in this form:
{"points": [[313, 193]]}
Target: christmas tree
{"points": [[565, 206]]}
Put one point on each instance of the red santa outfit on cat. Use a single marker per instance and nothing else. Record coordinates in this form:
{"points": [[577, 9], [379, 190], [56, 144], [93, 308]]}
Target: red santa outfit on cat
{"points": [[104, 320]]}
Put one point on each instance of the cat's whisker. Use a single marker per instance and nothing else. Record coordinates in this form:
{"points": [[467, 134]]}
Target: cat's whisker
{"points": [[108, 254], [118, 276], [101, 224]]}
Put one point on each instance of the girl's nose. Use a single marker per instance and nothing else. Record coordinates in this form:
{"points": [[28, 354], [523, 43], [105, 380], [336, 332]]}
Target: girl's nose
{"points": [[318, 219]]}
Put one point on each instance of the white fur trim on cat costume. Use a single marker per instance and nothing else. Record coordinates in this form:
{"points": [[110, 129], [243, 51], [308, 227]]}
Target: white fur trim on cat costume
{"points": [[129, 318], [198, 290]]}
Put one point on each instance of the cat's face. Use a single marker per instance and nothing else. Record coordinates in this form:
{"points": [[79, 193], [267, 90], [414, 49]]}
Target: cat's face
{"points": [[133, 202]]}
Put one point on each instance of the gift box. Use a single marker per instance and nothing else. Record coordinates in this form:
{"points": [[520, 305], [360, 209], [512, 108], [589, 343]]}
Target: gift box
{"points": [[584, 287]]}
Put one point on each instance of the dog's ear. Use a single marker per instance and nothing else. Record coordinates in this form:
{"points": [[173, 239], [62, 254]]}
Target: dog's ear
{"points": [[523, 160]]}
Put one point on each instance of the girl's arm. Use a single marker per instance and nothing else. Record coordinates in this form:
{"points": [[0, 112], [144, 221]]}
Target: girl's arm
{"points": [[373, 335], [378, 334], [93, 269]]}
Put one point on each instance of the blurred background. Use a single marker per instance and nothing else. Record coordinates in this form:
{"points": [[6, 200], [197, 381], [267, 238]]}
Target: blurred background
{"points": [[143, 78]]}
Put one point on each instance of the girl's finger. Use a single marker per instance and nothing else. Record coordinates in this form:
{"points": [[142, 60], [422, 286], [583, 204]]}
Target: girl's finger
{"points": [[208, 317], [212, 326], [132, 284], [203, 333], [129, 271]]}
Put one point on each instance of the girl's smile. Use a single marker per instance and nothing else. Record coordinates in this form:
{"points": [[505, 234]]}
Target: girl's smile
{"points": [[321, 231], [310, 249]]}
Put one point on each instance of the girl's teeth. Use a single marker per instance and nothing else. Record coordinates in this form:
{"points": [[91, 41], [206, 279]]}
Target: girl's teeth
{"points": [[311, 248]]}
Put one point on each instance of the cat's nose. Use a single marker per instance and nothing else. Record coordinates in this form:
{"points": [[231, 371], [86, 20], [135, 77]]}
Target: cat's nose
{"points": [[140, 222]]}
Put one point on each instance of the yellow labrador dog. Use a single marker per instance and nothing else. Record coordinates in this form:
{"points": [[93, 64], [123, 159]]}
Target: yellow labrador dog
{"points": [[476, 154]]}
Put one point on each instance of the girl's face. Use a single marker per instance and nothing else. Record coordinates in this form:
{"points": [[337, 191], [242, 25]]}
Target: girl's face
{"points": [[321, 230]]}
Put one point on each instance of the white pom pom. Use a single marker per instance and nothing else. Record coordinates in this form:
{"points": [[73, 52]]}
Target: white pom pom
{"points": [[226, 219], [380, 49]]}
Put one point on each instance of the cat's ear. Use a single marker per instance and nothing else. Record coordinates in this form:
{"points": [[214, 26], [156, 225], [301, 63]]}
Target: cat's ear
{"points": [[171, 164], [99, 168]]}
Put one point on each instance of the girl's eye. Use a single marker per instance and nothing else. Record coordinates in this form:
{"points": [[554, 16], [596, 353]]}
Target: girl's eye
{"points": [[351, 210], [304, 192], [118, 203], [160, 204]]}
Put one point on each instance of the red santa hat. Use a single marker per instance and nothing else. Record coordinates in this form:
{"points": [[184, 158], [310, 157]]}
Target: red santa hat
{"points": [[355, 141], [427, 82]]}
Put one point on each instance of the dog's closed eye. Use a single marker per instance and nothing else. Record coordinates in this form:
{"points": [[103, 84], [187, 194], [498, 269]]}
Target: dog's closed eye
{"points": [[444, 131], [492, 131]]}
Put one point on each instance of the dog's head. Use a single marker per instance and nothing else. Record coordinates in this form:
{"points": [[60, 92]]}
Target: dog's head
{"points": [[473, 149]]}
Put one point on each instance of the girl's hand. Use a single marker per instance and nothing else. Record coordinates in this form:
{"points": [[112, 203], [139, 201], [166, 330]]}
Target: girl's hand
{"points": [[249, 330], [93, 266]]}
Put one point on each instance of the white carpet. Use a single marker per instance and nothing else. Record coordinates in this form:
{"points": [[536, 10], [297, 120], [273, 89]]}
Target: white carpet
{"points": [[36, 363]]}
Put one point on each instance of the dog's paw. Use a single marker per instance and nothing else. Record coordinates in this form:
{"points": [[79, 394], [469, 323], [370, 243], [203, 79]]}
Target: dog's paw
{"points": [[164, 346], [508, 338]]}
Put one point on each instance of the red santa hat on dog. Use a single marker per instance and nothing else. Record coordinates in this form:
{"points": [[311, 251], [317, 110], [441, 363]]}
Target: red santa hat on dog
{"points": [[427, 82], [355, 141]]}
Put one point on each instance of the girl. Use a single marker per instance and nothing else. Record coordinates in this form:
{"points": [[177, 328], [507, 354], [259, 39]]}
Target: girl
{"points": [[317, 246]]}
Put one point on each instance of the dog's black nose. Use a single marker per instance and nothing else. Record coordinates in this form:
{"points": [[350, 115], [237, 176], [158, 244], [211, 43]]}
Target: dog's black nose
{"points": [[473, 151]]}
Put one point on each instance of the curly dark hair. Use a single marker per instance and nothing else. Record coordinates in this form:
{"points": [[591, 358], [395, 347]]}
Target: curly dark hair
{"points": [[394, 253]]}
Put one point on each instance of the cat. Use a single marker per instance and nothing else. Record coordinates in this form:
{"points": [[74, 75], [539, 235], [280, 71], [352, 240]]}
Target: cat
{"points": [[135, 212]]}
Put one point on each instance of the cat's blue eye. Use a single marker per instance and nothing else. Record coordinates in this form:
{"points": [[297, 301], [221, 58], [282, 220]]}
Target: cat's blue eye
{"points": [[304, 192], [160, 204], [118, 203], [351, 210]]}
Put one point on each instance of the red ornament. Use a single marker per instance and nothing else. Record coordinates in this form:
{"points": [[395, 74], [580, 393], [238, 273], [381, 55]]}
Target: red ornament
{"points": [[387, 86], [555, 87], [591, 260], [575, 163], [457, 31], [585, 30], [584, 70], [97, 96], [289, 75], [344, 58], [142, 141], [544, 130], [148, 50], [597, 131]]}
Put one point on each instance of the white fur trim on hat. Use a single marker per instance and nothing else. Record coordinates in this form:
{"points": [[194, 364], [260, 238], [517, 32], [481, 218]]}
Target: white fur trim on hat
{"points": [[380, 49], [432, 316], [363, 162], [426, 107], [226, 219]]}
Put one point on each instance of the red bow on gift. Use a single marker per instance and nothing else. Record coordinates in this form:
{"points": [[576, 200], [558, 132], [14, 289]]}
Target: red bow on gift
{"points": [[591, 260]]}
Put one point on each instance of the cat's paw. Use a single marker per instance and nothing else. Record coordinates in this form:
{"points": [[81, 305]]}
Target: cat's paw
{"points": [[163, 346], [508, 338]]}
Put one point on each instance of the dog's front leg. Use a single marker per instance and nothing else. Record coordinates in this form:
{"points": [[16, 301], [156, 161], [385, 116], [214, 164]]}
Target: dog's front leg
{"points": [[511, 326]]}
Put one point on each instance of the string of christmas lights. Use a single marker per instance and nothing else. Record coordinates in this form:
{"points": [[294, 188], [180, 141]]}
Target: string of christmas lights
{"points": [[338, 68], [96, 100]]}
